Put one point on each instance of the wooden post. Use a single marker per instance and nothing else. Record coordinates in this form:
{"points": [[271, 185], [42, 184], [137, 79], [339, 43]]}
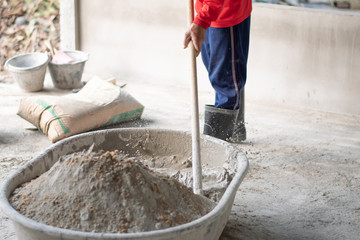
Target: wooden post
{"points": [[69, 26]]}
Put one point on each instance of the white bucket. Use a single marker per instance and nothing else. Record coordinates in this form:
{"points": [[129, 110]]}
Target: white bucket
{"points": [[28, 70]]}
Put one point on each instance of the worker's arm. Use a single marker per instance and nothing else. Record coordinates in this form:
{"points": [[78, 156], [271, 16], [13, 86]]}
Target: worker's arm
{"points": [[196, 34], [208, 12]]}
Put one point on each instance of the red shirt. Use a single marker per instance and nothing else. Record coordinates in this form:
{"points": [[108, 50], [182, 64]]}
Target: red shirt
{"points": [[221, 13]]}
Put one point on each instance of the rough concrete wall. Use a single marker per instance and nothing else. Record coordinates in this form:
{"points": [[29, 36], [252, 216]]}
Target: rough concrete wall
{"points": [[305, 57], [297, 56], [135, 38]]}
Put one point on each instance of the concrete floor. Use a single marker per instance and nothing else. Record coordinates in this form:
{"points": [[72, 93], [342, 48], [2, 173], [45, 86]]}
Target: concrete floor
{"points": [[304, 178]]}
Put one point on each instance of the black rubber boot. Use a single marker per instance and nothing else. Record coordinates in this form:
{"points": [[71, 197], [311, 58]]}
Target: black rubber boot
{"points": [[239, 133], [219, 122], [225, 124]]}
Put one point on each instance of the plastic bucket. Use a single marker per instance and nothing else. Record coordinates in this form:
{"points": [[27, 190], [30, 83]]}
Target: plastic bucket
{"points": [[68, 75], [28, 70]]}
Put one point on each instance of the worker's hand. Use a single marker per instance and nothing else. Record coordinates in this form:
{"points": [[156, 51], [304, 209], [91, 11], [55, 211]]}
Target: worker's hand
{"points": [[196, 34]]}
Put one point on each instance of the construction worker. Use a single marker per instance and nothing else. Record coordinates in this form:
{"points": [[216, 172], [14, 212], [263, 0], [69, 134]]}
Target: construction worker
{"points": [[220, 31]]}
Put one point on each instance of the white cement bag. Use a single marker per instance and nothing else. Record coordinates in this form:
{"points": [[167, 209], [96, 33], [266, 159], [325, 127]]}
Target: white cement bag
{"points": [[98, 103]]}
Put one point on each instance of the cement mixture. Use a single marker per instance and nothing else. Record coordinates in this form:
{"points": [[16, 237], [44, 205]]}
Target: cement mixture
{"points": [[107, 192]]}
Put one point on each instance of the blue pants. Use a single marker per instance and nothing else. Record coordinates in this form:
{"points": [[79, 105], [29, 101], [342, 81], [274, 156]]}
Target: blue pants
{"points": [[225, 54]]}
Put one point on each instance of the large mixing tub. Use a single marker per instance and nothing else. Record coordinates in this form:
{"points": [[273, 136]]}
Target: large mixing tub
{"points": [[162, 142]]}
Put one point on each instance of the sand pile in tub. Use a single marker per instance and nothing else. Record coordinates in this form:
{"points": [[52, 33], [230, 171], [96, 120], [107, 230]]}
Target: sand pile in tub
{"points": [[108, 191]]}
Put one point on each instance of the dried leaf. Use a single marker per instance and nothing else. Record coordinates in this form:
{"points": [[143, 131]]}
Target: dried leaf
{"points": [[10, 31], [16, 11]]}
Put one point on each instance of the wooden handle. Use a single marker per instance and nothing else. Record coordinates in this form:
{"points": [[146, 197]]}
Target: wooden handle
{"points": [[191, 13], [196, 160], [50, 47]]}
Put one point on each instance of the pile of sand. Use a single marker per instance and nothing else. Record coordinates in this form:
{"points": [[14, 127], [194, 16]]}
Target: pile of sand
{"points": [[107, 192]]}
